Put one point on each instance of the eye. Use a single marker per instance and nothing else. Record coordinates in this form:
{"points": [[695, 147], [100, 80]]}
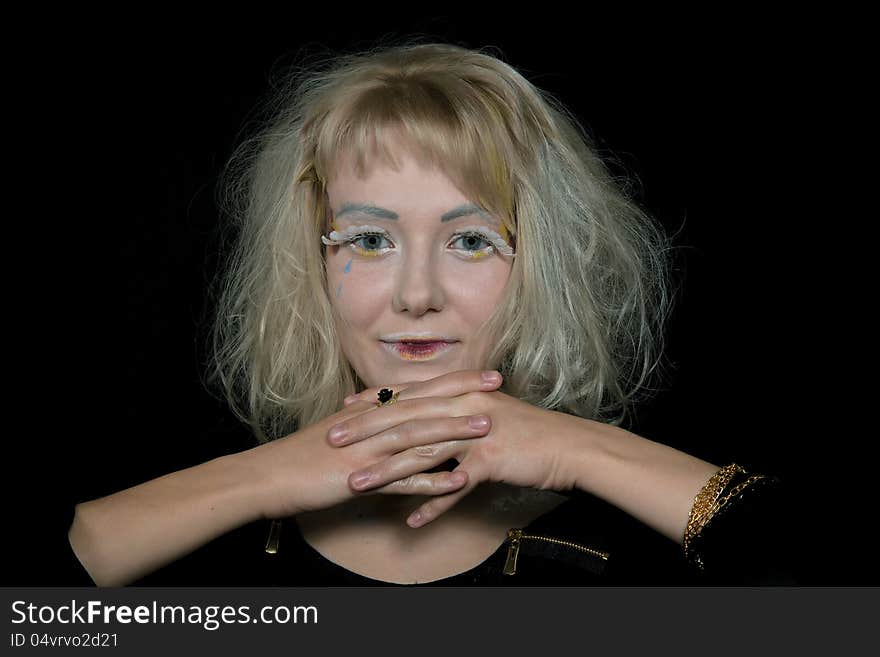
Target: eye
{"points": [[472, 243], [369, 243]]}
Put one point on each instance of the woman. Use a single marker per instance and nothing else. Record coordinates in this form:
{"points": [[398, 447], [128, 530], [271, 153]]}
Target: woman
{"points": [[439, 309]]}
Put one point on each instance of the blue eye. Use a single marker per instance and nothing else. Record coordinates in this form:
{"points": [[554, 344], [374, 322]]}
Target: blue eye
{"points": [[371, 242], [473, 242]]}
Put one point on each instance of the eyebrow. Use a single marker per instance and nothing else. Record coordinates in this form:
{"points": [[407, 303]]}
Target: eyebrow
{"points": [[466, 210]]}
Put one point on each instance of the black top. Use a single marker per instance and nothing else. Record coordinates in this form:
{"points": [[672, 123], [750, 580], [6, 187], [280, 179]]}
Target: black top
{"points": [[751, 541]]}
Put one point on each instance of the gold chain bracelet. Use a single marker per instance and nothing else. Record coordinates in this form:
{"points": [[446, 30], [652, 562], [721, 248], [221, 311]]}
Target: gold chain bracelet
{"points": [[708, 501], [705, 500]]}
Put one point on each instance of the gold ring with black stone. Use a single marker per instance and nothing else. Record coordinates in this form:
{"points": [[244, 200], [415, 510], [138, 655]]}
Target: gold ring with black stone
{"points": [[387, 397]]}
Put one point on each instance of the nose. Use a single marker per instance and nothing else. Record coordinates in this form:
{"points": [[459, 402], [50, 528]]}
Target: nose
{"points": [[419, 286]]}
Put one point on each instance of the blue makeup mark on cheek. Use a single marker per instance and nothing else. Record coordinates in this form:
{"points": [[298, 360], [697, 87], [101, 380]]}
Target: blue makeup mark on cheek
{"points": [[345, 271]]}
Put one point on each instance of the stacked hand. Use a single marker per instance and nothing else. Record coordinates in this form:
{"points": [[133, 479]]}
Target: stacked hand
{"points": [[462, 416], [369, 449]]}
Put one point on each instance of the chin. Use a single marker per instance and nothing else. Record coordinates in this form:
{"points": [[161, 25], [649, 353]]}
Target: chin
{"points": [[406, 374]]}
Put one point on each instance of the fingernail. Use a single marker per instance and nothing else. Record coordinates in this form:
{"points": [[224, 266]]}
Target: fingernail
{"points": [[457, 478], [478, 422], [491, 377], [337, 434], [348, 400], [414, 519], [361, 480]]}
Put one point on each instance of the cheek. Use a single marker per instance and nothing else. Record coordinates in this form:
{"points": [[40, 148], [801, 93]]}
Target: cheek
{"points": [[357, 290], [479, 298]]}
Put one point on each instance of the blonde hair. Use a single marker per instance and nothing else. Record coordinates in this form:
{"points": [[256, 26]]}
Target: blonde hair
{"points": [[580, 327]]}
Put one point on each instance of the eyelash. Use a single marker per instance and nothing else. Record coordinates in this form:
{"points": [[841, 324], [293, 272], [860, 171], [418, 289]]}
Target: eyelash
{"points": [[352, 242]]}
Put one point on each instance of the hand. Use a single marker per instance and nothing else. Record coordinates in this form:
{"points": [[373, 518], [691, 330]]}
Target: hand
{"points": [[305, 472], [525, 446]]}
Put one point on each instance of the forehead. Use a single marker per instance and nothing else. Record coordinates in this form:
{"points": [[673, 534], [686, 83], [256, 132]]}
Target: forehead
{"points": [[399, 190], [398, 174]]}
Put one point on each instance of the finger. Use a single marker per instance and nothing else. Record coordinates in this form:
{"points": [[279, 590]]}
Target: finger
{"points": [[367, 424], [433, 509], [421, 431], [404, 464], [426, 432], [451, 384], [436, 483]]}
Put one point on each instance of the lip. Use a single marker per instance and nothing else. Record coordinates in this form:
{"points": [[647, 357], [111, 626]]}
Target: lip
{"points": [[418, 349], [416, 337]]}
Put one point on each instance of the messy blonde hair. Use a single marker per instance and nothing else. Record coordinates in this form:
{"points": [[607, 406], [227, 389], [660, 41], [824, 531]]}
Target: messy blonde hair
{"points": [[581, 324]]}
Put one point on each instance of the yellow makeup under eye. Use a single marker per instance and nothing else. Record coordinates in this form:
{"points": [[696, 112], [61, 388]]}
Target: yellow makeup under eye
{"points": [[372, 240], [468, 238]]}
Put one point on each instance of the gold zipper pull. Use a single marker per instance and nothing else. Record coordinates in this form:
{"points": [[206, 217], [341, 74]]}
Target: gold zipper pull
{"points": [[513, 535], [274, 537]]}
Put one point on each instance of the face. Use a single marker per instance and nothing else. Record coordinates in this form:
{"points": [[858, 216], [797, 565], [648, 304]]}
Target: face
{"points": [[417, 262]]}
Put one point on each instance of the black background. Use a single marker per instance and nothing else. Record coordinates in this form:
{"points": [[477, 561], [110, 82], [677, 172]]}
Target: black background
{"points": [[727, 126]]}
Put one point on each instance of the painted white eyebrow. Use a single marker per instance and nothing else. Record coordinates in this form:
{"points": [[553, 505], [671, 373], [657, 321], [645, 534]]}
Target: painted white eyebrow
{"points": [[466, 210]]}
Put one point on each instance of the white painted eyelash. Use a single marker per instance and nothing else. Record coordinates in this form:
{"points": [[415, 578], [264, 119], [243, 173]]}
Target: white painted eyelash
{"points": [[341, 237], [337, 238], [492, 237]]}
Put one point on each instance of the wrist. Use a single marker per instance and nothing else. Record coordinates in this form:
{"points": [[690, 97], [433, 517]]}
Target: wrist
{"points": [[579, 453], [271, 476], [249, 486]]}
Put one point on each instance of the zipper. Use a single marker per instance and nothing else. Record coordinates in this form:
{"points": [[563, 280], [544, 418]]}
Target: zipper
{"points": [[516, 536], [274, 537]]}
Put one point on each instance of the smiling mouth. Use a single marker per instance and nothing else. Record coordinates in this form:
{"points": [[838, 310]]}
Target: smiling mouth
{"points": [[416, 350]]}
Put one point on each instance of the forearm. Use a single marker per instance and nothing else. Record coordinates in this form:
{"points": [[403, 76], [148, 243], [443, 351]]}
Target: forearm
{"points": [[654, 483], [126, 535]]}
